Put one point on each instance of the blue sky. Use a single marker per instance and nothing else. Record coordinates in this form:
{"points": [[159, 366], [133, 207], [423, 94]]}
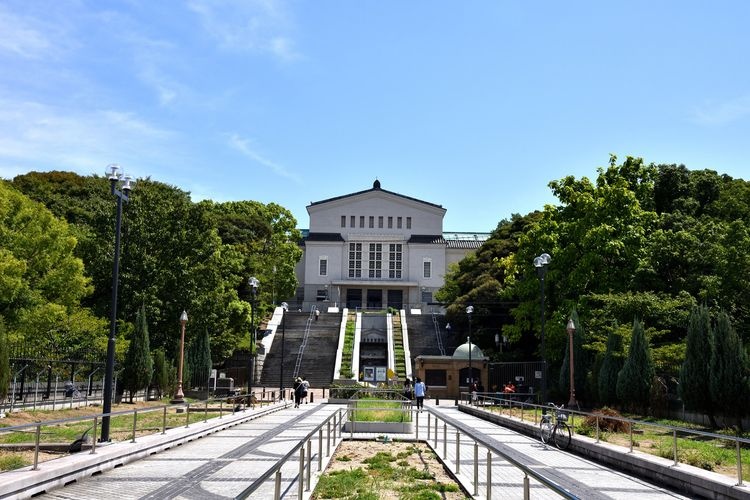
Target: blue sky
{"points": [[472, 105]]}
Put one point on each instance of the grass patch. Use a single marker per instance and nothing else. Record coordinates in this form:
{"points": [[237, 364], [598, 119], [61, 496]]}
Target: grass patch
{"points": [[12, 462], [379, 410]]}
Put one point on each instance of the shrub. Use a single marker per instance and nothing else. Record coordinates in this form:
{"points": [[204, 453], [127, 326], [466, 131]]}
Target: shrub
{"points": [[606, 424]]}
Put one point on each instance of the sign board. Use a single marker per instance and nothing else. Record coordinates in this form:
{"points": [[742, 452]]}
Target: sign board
{"points": [[381, 374], [369, 374], [538, 374]]}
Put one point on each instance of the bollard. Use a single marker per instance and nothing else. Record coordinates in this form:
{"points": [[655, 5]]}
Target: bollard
{"points": [[437, 401], [455, 402], [312, 399]]}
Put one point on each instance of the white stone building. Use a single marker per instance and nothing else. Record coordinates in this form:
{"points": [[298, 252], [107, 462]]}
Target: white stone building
{"points": [[377, 249]]}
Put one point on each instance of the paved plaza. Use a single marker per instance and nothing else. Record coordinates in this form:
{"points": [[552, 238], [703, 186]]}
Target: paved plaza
{"points": [[224, 463]]}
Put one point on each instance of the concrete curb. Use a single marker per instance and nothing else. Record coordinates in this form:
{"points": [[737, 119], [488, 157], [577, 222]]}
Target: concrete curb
{"points": [[691, 480]]}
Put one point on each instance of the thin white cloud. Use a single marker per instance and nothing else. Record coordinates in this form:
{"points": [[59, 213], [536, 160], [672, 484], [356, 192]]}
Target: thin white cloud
{"points": [[243, 146], [260, 26], [18, 36], [42, 137], [721, 113]]}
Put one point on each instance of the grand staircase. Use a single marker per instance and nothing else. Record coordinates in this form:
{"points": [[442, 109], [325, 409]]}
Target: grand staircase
{"points": [[318, 358], [424, 333]]}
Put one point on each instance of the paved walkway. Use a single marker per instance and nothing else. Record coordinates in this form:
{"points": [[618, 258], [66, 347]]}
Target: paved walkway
{"points": [[221, 465]]}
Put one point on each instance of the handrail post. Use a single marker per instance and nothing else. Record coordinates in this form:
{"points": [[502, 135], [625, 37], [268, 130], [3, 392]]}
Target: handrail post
{"points": [[309, 463], [674, 445], [435, 437], [631, 436], [351, 424], [205, 413], [301, 480], [93, 441], [458, 451], [187, 416], [429, 426], [445, 441], [221, 408], [277, 486], [739, 463], [328, 435], [36, 444], [135, 424], [320, 449], [526, 488], [489, 474], [164, 421], [417, 425], [597, 428], [476, 468]]}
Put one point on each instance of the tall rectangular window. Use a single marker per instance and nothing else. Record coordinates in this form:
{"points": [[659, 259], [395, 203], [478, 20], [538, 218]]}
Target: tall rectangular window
{"points": [[371, 222], [427, 268], [375, 260], [408, 223], [352, 221], [380, 221], [390, 222], [355, 260], [395, 260], [343, 221], [323, 266], [361, 221], [398, 222]]}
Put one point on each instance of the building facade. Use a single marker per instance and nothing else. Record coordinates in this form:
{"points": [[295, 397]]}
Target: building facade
{"points": [[376, 249]]}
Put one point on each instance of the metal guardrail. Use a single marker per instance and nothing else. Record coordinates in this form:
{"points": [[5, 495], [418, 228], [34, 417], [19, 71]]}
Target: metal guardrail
{"points": [[492, 400], [194, 407], [304, 448]]}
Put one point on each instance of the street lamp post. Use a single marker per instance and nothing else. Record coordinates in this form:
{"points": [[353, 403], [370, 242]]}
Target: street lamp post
{"points": [[284, 308], [541, 263], [571, 332], [469, 311], [179, 396], [253, 283], [115, 177]]}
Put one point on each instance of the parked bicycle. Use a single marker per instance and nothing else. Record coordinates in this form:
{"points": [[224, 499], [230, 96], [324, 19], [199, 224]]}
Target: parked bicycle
{"points": [[557, 432]]}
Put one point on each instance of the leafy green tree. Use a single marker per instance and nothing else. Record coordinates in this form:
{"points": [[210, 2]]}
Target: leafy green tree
{"points": [[729, 371], [637, 375], [610, 369], [42, 282], [160, 379], [695, 374], [139, 364]]}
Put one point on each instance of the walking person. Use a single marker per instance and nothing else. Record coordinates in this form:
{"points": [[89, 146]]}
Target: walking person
{"points": [[317, 314], [420, 391], [305, 389], [297, 391]]}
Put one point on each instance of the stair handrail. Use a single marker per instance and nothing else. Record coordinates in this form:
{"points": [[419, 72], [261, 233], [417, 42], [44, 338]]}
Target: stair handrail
{"points": [[437, 334], [302, 346]]}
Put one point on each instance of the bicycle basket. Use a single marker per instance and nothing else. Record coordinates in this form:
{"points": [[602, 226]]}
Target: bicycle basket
{"points": [[562, 416]]}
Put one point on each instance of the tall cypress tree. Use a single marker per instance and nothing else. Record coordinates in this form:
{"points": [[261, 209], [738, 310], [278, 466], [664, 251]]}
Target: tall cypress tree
{"points": [[637, 375], [729, 371], [695, 374], [138, 361], [200, 359], [611, 366], [160, 380]]}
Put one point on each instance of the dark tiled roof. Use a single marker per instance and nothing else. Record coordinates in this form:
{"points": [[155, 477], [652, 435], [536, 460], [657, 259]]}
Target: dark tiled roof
{"points": [[375, 187], [324, 237], [427, 238], [464, 244]]}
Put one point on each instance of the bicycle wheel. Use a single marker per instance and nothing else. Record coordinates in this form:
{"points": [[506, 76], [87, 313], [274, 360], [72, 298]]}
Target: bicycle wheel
{"points": [[562, 436], [545, 431]]}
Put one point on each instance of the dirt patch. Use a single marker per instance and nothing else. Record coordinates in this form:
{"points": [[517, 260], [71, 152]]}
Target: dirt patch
{"points": [[407, 466]]}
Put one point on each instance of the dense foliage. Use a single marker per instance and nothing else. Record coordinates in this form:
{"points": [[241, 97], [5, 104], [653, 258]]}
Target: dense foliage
{"points": [[139, 365], [639, 241], [56, 255]]}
